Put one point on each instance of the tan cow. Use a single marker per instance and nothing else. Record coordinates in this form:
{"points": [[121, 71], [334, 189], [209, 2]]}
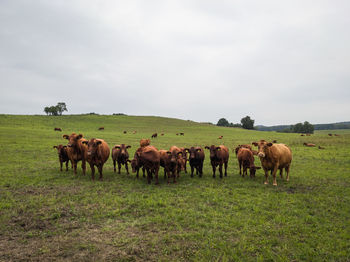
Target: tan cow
{"points": [[274, 157]]}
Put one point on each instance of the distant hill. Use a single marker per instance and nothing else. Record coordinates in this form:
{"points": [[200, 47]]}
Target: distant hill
{"points": [[340, 125]]}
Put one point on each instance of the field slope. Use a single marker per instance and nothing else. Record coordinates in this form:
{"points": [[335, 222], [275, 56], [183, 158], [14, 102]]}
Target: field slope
{"points": [[50, 215]]}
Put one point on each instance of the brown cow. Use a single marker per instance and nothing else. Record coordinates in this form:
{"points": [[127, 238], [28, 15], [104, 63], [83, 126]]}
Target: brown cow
{"points": [[136, 163], [121, 156], [154, 135], [124, 132], [149, 158], [185, 159], [243, 146], [309, 144], [274, 157], [62, 155], [246, 160], [219, 156], [220, 137], [57, 129], [162, 134], [76, 151], [172, 162], [330, 134], [144, 142], [321, 147], [182, 134], [196, 159], [274, 141], [101, 128], [97, 154]]}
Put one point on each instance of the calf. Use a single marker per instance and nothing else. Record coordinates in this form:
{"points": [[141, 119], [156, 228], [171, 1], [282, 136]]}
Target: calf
{"points": [[219, 156], [154, 135], [62, 155], [149, 158], [121, 156], [57, 129], [274, 157], [184, 159], [76, 151], [97, 155], [172, 162], [101, 128], [196, 159], [309, 144], [136, 163], [246, 160]]}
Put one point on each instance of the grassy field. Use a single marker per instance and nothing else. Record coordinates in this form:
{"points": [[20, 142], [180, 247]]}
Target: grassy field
{"points": [[50, 215]]}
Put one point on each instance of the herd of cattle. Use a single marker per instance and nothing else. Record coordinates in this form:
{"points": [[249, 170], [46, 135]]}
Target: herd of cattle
{"points": [[273, 157]]}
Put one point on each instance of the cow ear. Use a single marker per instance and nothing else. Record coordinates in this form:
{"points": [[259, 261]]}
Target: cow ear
{"points": [[118, 147], [186, 150], [54, 146], [255, 143], [179, 154], [269, 144], [98, 142], [128, 147], [218, 148], [168, 152], [65, 136], [79, 136], [64, 146], [198, 150], [207, 147], [85, 142]]}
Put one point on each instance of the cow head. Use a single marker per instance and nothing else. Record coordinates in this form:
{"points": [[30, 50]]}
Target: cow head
{"points": [[61, 150], [193, 152], [92, 145], [73, 139], [214, 151], [253, 170], [174, 156], [123, 150], [263, 147], [134, 164]]}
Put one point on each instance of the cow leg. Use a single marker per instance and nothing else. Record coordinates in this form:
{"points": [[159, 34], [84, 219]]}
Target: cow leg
{"points": [[119, 167], [92, 171], [174, 176], [192, 170], [67, 165], [220, 170], [83, 166], [185, 167], [266, 176], [274, 175], [225, 164], [156, 175], [287, 171], [127, 168], [149, 175], [143, 172], [240, 167], [281, 173], [214, 169], [74, 167], [100, 167], [60, 165], [114, 169], [200, 170], [137, 172]]}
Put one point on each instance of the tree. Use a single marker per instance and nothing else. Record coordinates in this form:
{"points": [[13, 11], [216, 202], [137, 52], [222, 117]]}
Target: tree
{"points": [[61, 106], [56, 110], [223, 122], [247, 123]]}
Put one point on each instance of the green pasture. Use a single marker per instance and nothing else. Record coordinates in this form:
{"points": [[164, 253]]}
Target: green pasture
{"points": [[48, 215]]}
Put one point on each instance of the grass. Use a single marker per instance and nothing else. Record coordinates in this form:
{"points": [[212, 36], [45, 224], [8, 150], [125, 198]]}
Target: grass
{"points": [[49, 215]]}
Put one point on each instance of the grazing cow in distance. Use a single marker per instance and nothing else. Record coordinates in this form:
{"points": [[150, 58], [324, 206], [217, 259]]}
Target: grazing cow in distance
{"points": [[97, 154], [76, 151], [309, 144], [246, 160], [101, 128], [149, 158], [162, 134], [154, 135], [274, 157], [144, 142], [182, 134], [219, 156], [57, 129], [336, 135], [321, 147], [274, 141], [220, 137], [302, 135], [196, 159], [121, 156], [177, 134], [124, 132], [330, 134], [62, 155]]}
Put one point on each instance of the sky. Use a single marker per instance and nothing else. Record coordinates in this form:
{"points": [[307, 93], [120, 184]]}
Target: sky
{"points": [[279, 62]]}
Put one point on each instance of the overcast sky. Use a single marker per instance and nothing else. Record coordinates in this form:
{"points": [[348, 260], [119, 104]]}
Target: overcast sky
{"points": [[280, 62]]}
